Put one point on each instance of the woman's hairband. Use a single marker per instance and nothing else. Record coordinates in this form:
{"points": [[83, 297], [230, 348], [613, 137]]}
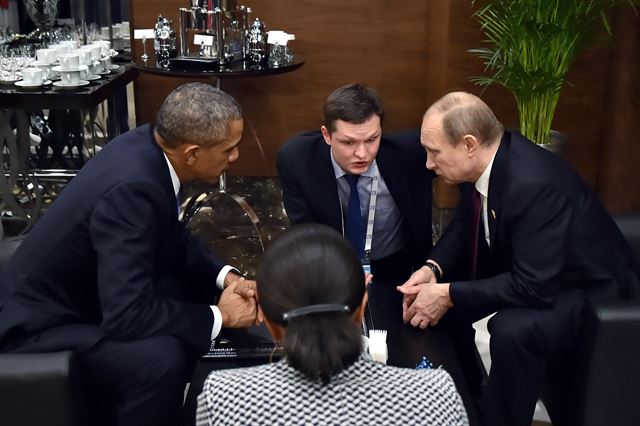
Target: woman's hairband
{"points": [[313, 309]]}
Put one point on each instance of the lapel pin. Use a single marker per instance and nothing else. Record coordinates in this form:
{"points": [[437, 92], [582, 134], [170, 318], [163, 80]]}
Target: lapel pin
{"points": [[493, 213]]}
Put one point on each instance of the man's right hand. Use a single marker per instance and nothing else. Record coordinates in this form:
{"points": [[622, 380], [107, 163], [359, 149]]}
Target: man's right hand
{"points": [[421, 276], [237, 311]]}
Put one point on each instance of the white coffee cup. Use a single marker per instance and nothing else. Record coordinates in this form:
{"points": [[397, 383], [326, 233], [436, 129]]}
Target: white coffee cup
{"points": [[33, 76], [46, 56], [105, 46], [46, 69], [69, 61], [84, 55], [70, 77], [61, 48], [95, 51], [72, 43]]}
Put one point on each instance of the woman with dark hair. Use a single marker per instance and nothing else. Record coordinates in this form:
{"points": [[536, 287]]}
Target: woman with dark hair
{"points": [[312, 293]]}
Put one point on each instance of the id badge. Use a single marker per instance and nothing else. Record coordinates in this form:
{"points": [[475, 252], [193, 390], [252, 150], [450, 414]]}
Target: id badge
{"points": [[366, 268]]}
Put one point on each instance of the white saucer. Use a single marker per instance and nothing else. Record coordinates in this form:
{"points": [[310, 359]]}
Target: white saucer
{"points": [[42, 64], [103, 72], [92, 77], [60, 69], [113, 67], [21, 83], [78, 84]]}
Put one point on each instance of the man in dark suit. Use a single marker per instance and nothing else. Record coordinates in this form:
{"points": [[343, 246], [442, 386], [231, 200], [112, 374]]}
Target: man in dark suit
{"points": [[111, 273], [315, 169], [528, 240]]}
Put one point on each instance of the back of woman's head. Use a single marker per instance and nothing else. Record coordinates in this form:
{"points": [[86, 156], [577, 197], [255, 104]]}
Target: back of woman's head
{"points": [[311, 265]]}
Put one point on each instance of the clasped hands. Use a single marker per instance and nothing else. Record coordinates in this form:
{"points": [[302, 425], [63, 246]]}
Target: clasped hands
{"points": [[238, 303], [424, 301]]}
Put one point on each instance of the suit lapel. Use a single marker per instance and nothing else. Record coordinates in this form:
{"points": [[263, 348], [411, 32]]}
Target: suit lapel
{"points": [[329, 200], [396, 183], [496, 184]]}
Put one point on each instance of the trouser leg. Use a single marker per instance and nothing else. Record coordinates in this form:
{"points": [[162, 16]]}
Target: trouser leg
{"points": [[522, 341], [145, 379]]}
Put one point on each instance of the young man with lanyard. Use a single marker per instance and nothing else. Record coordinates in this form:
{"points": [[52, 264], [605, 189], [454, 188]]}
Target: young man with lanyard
{"points": [[374, 189]]}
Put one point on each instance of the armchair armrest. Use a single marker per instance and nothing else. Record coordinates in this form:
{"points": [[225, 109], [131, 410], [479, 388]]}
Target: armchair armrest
{"points": [[612, 374], [40, 389]]}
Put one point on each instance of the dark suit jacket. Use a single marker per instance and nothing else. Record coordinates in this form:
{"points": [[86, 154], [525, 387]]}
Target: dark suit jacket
{"points": [[549, 234], [110, 259], [310, 190]]}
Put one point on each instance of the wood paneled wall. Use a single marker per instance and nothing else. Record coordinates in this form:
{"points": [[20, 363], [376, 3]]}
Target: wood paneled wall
{"points": [[412, 52]]}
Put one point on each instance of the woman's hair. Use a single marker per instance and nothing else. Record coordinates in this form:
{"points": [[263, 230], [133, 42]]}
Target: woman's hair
{"points": [[309, 265]]}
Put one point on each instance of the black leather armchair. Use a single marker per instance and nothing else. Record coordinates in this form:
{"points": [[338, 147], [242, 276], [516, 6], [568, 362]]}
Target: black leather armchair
{"points": [[600, 384], [40, 389]]}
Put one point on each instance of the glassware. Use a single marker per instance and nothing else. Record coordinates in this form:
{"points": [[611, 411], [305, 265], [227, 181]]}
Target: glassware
{"points": [[164, 42]]}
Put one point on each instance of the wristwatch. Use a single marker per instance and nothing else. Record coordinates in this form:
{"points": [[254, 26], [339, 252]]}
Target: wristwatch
{"points": [[434, 268]]}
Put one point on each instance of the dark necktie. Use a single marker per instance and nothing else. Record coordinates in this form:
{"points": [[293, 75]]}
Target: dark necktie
{"points": [[353, 225], [179, 196], [476, 203]]}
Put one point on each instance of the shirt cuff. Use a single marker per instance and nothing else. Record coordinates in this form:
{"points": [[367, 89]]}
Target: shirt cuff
{"points": [[437, 265], [217, 322], [222, 275]]}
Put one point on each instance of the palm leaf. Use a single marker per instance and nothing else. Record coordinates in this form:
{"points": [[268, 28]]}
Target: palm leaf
{"points": [[529, 47]]}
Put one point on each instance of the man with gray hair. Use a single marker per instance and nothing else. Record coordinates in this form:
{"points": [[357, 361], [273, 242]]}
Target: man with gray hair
{"points": [[529, 240], [111, 273]]}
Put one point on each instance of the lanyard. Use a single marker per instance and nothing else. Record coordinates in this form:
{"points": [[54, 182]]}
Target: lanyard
{"points": [[371, 214]]}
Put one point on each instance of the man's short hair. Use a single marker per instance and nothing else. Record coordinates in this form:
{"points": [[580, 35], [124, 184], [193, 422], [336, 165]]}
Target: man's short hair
{"points": [[466, 114], [196, 113], [353, 103]]}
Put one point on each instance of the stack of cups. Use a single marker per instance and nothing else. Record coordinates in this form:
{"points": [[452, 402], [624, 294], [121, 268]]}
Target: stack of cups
{"points": [[70, 70], [45, 59], [105, 54]]}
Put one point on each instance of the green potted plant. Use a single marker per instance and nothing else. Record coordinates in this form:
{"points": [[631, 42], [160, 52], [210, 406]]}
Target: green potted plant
{"points": [[530, 46]]}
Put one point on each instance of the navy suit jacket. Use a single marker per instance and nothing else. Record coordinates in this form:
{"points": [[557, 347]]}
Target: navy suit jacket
{"points": [[548, 233], [310, 190], [109, 259]]}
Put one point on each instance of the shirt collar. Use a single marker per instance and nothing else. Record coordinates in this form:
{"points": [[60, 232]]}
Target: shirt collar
{"points": [[482, 184], [174, 176], [339, 172]]}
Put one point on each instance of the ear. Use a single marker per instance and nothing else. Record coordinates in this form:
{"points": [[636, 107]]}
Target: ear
{"points": [[276, 331], [190, 153], [471, 144], [326, 135]]}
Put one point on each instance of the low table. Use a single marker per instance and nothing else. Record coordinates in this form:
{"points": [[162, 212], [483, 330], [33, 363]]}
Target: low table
{"points": [[69, 109]]}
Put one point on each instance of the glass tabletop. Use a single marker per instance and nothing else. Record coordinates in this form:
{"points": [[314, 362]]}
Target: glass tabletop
{"points": [[196, 68]]}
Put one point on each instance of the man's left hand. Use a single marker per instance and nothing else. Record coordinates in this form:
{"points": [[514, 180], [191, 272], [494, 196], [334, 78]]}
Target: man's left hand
{"points": [[246, 289], [431, 302]]}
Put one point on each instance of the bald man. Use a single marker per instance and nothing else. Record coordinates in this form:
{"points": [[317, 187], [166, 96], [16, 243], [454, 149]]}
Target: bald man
{"points": [[529, 240]]}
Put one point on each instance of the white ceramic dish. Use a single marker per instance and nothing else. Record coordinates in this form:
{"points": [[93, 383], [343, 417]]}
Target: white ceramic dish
{"points": [[60, 69], [21, 83], [78, 84]]}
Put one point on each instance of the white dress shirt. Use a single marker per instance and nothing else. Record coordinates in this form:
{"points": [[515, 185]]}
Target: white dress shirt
{"points": [[388, 236], [217, 316], [482, 186]]}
